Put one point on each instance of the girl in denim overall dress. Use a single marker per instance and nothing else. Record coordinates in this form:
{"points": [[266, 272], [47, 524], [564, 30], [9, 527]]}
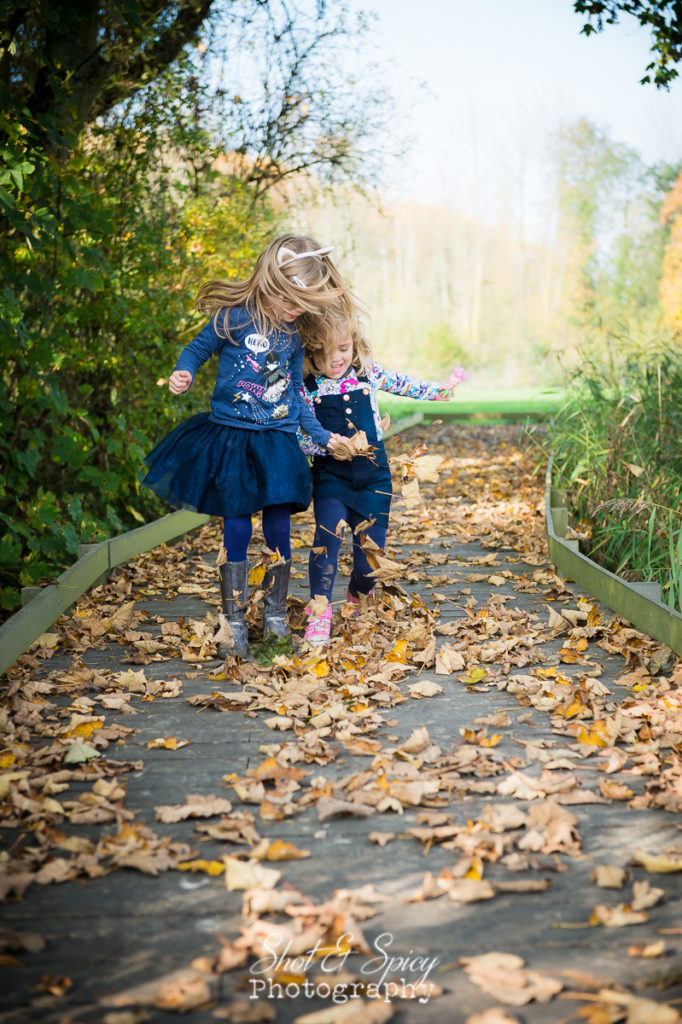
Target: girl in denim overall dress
{"points": [[341, 387]]}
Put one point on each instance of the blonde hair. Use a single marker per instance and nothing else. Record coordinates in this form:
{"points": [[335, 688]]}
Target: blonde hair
{"points": [[320, 335], [311, 282]]}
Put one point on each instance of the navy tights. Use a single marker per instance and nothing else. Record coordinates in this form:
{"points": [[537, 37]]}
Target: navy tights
{"points": [[276, 530], [325, 554]]}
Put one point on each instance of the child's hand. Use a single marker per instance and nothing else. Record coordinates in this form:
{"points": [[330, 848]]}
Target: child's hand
{"points": [[448, 389], [339, 447], [179, 381]]}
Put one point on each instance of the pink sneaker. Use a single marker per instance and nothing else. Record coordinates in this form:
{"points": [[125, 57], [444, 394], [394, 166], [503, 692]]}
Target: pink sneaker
{"points": [[354, 602], [318, 629]]}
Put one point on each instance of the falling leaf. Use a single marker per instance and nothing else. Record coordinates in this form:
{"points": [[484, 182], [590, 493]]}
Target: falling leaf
{"points": [[426, 467], [411, 494], [257, 574]]}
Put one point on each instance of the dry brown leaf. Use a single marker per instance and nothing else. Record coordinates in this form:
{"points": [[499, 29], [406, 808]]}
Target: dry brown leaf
{"points": [[197, 806], [242, 874], [644, 896], [502, 976], [609, 876], [355, 1011], [650, 950], [243, 1011], [181, 990], [495, 1015], [381, 838], [449, 660], [617, 917], [425, 689], [658, 863]]}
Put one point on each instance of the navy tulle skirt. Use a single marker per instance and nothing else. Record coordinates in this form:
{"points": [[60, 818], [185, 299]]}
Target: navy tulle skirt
{"points": [[228, 471]]}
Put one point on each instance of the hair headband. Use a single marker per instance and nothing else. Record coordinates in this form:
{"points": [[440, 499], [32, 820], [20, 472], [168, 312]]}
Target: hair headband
{"points": [[284, 251]]}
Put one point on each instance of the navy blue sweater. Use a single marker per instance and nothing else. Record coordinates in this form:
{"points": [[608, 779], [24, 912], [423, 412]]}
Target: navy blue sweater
{"points": [[259, 379]]}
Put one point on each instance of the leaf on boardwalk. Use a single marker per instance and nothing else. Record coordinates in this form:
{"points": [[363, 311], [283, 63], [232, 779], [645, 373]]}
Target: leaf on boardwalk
{"points": [[197, 806], [502, 976]]}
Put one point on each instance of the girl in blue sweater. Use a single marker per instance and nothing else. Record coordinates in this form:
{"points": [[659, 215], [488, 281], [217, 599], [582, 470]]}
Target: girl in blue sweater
{"points": [[243, 455], [341, 382]]}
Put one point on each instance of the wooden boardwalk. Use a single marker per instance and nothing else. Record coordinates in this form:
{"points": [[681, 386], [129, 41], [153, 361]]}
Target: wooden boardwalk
{"points": [[525, 811]]}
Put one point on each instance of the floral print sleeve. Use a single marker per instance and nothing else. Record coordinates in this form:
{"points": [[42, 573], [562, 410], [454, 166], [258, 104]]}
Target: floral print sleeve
{"points": [[305, 441], [402, 384]]}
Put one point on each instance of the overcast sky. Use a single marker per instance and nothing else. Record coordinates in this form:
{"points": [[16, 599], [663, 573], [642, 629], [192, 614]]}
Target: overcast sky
{"points": [[501, 76]]}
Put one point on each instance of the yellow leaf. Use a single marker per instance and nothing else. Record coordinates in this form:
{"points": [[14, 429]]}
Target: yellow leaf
{"points": [[210, 867], [658, 863], [85, 729], [279, 850], [397, 653], [474, 675], [594, 616], [167, 743], [573, 709], [288, 978], [341, 946], [7, 759], [490, 741], [592, 738], [321, 669], [476, 869], [256, 575]]}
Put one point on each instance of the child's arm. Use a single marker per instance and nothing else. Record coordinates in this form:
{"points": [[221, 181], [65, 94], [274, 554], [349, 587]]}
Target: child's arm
{"points": [[411, 387], [306, 443], [310, 426], [194, 355]]}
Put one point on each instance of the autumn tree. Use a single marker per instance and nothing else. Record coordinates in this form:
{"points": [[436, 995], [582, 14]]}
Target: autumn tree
{"points": [[662, 17], [116, 197], [671, 280]]}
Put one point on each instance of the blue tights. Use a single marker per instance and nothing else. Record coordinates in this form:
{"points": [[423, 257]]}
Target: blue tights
{"points": [[276, 530], [325, 554]]}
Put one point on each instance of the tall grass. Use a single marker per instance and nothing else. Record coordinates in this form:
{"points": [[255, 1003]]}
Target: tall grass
{"points": [[618, 456]]}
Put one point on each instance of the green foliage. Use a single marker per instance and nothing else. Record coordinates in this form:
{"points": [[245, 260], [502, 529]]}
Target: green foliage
{"points": [[93, 310], [442, 349], [617, 455], [114, 206], [662, 17]]}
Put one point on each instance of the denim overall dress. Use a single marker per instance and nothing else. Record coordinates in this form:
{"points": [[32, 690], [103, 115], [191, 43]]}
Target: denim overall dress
{"points": [[364, 482]]}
